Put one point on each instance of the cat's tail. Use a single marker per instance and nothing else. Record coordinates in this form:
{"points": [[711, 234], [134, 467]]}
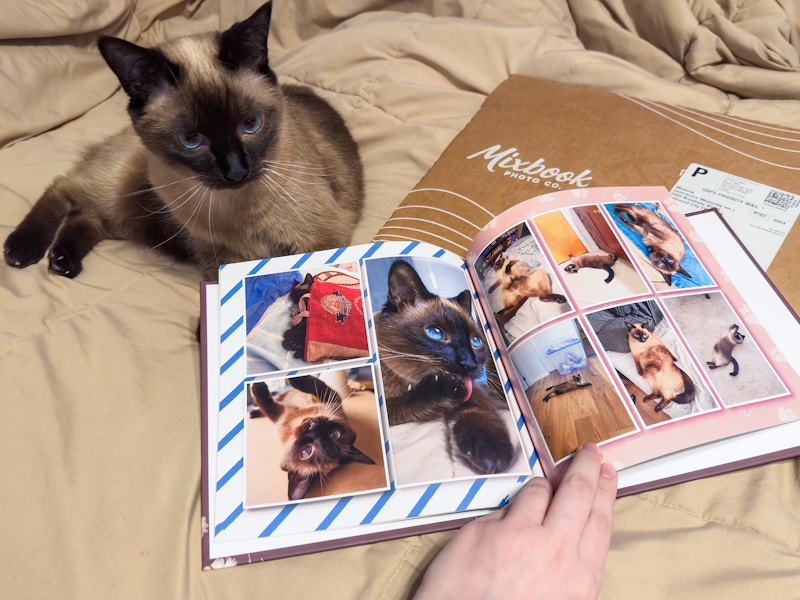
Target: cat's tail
{"points": [[688, 393], [735, 364], [610, 272]]}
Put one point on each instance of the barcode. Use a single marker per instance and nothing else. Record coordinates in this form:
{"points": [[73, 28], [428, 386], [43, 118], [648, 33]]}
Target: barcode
{"points": [[782, 200]]}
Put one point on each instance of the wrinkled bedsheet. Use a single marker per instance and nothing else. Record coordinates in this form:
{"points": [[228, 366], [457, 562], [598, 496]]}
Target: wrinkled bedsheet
{"points": [[99, 376]]}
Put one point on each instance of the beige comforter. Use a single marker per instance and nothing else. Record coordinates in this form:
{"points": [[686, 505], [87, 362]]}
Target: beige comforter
{"points": [[99, 376]]}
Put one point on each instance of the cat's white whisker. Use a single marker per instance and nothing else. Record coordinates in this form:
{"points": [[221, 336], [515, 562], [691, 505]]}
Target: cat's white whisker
{"points": [[185, 225], [211, 225], [149, 182], [153, 188], [292, 177], [177, 203]]}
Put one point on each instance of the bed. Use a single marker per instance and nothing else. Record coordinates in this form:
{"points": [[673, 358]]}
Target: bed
{"points": [[99, 376]]}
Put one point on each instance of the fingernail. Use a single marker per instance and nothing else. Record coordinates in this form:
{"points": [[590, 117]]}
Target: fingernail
{"points": [[608, 470], [590, 447]]}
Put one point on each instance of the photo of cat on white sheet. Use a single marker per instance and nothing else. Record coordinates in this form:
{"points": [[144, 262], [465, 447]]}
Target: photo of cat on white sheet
{"points": [[654, 364], [447, 414], [302, 317], [585, 247], [520, 284]]}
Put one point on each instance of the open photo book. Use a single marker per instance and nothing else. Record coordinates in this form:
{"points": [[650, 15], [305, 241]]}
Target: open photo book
{"points": [[394, 388]]}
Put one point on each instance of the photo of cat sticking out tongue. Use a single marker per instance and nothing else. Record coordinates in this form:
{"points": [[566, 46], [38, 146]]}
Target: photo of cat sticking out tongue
{"points": [[467, 381], [436, 369]]}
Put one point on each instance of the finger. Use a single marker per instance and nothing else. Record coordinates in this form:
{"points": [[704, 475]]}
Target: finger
{"points": [[596, 538], [530, 504], [574, 497]]}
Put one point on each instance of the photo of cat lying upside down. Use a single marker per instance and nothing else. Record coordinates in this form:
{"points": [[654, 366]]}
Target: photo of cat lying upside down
{"points": [[518, 282]]}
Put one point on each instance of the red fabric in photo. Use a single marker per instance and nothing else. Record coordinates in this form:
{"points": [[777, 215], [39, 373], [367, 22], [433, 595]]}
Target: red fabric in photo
{"points": [[336, 326]]}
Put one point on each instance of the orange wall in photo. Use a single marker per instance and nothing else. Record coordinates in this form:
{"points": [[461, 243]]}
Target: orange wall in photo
{"points": [[559, 236]]}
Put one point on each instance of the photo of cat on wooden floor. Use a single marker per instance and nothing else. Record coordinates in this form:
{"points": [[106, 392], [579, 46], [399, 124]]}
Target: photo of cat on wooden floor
{"points": [[520, 284], [570, 392], [661, 252], [447, 414], [313, 436], [585, 247], [303, 317]]}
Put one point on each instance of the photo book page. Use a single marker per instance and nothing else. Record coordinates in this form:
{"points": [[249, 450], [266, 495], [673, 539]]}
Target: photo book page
{"points": [[626, 326], [352, 392]]}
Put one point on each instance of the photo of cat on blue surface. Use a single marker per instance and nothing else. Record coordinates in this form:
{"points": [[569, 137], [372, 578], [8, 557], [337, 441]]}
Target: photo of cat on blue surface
{"points": [[664, 256]]}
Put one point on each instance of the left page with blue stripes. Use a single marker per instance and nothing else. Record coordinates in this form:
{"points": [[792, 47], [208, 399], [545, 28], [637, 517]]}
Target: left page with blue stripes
{"points": [[262, 499]]}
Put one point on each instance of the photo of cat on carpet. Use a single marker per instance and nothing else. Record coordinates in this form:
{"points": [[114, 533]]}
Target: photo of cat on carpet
{"points": [[447, 413], [302, 317], [733, 362], [311, 436]]}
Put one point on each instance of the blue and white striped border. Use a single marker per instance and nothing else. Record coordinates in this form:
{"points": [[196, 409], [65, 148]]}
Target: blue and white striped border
{"points": [[274, 526]]}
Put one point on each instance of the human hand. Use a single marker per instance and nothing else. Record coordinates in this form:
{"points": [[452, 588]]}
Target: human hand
{"points": [[539, 545]]}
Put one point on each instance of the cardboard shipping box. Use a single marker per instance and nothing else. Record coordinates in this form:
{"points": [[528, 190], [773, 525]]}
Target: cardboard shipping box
{"points": [[532, 136]]}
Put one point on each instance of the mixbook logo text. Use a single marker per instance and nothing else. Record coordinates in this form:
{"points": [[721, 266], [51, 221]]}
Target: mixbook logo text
{"points": [[536, 171]]}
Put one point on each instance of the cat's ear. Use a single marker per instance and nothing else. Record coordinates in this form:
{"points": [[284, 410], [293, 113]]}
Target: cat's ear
{"points": [[353, 454], [465, 300], [681, 271], [265, 401], [405, 286], [299, 485], [629, 325], [316, 387], [244, 44], [141, 71]]}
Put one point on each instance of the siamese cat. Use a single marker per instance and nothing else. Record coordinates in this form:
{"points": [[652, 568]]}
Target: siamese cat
{"points": [[592, 260], [433, 359], [221, 163], [565, 386], [315, 433], [723, 350], [519, 281], [657, 365], [665, 247]]}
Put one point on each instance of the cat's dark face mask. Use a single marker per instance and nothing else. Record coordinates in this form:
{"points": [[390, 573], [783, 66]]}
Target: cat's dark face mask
{"points": [[224, 138]]}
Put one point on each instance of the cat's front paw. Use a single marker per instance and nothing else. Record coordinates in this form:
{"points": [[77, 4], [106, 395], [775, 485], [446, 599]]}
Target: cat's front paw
{"points": [[454, 389], [63, 262], [24, 247], [483, 443]]}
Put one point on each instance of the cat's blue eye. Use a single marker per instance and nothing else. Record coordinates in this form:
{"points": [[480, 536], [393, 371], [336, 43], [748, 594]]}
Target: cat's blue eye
{"points": [[476, 342], [307, 452], [191, 139], [252, 125], [434, 333]]}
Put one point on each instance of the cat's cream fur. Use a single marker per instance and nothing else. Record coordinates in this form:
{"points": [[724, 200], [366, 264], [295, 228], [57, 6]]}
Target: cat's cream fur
{"points": [[279, 172]]}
